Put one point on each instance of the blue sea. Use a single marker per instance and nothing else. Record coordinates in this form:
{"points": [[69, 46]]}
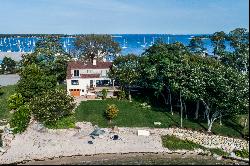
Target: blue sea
{"points": [[130, 43]]}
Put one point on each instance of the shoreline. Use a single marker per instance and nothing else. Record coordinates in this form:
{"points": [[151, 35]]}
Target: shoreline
{"points": [[112, 158], [38, 143]]}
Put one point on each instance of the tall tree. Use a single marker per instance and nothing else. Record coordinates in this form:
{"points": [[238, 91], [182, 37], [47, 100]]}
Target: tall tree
{"points": [[125, 71], [34, 82], [239, 41], [218, 40], [90, 47], [196, 45], [8, 65], [50, 57]]}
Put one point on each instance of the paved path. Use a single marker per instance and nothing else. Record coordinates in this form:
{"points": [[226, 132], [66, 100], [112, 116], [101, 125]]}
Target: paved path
{"points": [[9, 79]]}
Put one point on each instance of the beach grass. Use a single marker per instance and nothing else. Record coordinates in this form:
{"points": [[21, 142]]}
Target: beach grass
{"points": [[173, 143], [7, 91], [132, 114]]}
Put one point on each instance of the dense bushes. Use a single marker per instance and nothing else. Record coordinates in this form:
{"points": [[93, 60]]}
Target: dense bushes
{"points": [[51, 106], [64, 122], [242, 153], [104, 93], [174, 143], [15, 101], [111, 111], [34, 82], [20, 119]]}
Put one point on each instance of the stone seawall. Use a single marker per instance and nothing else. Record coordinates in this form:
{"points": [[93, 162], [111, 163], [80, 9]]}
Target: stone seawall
{"points": [[210, 141]]}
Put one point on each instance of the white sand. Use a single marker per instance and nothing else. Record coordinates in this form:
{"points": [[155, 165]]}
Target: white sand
{"points": [[55, 143]]}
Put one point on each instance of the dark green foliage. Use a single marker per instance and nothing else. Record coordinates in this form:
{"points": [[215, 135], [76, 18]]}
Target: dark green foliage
{"points": [[34, 82], [218, 152], [50, 57], [90, 47], [218, 40], [52, 105], [174, 143], [15, 101], [7, 91], [104, 93], [20, 119], [196, 45], [242, 153], [63, 123], [8, 65], [121, 95]]}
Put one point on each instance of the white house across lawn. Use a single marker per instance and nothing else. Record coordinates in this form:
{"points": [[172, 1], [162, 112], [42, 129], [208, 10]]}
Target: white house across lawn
{"points": [[84, 77]]}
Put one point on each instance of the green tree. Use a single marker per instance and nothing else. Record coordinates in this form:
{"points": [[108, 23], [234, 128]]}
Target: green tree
{"points": [[218, 41], [239, 58], [52, 105], [15, 101], [34, 82], [125, 71], [196, 45], [50, 57], [8, 65], [20, 119], [159, 67], [90, 47]]}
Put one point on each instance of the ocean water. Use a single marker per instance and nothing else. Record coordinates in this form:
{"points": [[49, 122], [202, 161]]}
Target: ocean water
{"points": [[130, 43]]}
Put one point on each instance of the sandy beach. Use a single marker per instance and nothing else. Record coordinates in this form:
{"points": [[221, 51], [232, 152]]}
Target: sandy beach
{"points": [[45, 144], [33, 144]]}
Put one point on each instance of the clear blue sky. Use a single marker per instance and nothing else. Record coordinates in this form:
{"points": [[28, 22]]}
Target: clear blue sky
{"points": [[122, 16]]}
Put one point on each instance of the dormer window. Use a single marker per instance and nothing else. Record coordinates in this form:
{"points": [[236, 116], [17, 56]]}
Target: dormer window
{"points": [[76, 73]]}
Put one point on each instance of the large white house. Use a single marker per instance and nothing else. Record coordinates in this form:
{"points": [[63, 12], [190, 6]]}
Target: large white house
{"points": [[85, 76]]}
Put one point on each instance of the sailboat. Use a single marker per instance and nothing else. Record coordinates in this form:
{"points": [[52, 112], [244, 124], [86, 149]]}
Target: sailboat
{"points": [[152, 42], [124, 44], [144, 45]]}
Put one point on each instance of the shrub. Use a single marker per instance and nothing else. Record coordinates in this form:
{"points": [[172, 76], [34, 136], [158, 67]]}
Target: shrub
{"points": [[121, 95], [20, 119], [63, 123], [218, 151], [174, 143], [104, 93], [242, 153], [51, 106], [15, 101], [111, 111]]}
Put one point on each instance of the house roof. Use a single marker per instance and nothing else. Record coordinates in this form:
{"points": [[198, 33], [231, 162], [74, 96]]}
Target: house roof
{"points": [[73, 65]]}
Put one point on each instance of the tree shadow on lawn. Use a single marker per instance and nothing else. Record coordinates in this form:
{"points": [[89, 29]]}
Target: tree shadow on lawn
{"points": [[236, 127]]}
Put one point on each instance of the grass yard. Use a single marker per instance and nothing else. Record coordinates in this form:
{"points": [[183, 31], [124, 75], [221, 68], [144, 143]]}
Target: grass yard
{"points": [[7, 91], [131, 114]]}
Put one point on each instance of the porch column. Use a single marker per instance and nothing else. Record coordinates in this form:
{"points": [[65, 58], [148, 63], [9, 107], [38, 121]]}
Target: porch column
{"points": [[113, 81]]}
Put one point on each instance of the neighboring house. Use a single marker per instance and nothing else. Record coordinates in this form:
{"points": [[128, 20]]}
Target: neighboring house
{"points": [[83, 78]]}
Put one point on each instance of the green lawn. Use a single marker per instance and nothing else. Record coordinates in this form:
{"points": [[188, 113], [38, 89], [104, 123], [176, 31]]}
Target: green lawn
{"points": [[173, 143], [131, 114], [7, 91]]}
